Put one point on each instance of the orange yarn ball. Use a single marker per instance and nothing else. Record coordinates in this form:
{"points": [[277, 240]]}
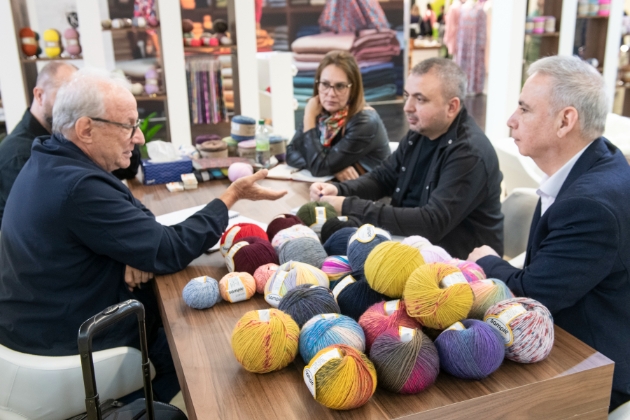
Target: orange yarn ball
{"points": [[236, 287]]}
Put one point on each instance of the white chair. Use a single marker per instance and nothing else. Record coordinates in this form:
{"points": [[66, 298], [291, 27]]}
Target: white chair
{"points": [[518, 171], [518, 209], [621, 413], [42, 387]]}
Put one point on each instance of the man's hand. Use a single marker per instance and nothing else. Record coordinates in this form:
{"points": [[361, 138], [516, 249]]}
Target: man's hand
{"points": [[322, 189], [482, 251], [347, 174], [336, 202], [135, 277], [247, 189]]}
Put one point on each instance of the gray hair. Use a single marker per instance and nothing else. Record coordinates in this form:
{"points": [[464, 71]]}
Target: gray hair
{"points": [[577, 84], [46, 76], [84, 96], [453, 78]]}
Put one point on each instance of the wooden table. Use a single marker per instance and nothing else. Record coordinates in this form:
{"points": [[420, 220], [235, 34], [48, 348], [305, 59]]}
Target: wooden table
{"points": [[573, 382]]}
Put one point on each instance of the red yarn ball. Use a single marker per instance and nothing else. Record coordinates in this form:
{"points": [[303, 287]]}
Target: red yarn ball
{"points": [[280, 222], [262, 274], [249, 257], [234, 233], [375, 321]]}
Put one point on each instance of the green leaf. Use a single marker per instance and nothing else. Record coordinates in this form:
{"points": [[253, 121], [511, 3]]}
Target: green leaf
{"points": [[152, 132], [144, 125]]}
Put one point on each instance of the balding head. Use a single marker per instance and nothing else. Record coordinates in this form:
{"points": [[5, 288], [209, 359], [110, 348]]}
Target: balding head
{"points": [[49, 80]]}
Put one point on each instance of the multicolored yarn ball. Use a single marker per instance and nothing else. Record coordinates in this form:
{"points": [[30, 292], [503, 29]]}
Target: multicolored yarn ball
{"points": [[438, 295], [470, 349], [487, 293], [239, 170], [406, 360], [526, 327], [306, 301], [306, 250], [356, 296], [364, 240], [434, 253], [265, 340], [336, 267], [315, 213], [280, 222], [290, 275], [290, 233], [249, 253], [326, 329], [417, 242], [262, 275], [383, 316], [389, 265], [237, 231], [337, 244], [469, 269], [334, 224], [201, 292], [236, 287], [340, 377]]}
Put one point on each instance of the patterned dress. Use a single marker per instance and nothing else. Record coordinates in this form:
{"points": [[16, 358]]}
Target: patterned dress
{"points": [[351, 15], [471, 46]]}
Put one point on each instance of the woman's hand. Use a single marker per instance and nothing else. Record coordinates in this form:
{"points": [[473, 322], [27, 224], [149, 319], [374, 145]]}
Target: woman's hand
{"points": [[347, 174], [311, 112]]}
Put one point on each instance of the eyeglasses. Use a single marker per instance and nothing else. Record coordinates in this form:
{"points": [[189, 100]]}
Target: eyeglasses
{"points": [[133, 128], [339, 88]]}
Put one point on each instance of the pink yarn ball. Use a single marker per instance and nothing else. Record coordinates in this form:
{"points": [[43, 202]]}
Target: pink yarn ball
{"points": [[262, 274], [469, 269], [417, 241], [434, 253], [239, 170], [382, 316]]}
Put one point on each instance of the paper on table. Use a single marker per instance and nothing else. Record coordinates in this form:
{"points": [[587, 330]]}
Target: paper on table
{"points": [[284, 171]]}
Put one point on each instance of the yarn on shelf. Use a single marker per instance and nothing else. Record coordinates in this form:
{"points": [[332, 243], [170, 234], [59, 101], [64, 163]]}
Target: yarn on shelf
{"points": [[326, 329], [306, 301], [201, 292], [389, 265]]}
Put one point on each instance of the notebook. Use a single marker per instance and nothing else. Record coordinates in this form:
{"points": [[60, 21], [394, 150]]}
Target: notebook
{"points": [[284, 171]]}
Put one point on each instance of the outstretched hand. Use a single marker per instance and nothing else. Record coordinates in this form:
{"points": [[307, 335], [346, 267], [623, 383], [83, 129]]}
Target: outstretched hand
{"points": [[246, 189]]}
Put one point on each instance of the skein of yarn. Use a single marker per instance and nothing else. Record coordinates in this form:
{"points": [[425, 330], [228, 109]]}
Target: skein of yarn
{"points": [[327, 329], [334, 224], [282, 221], [337, 244], [389, 265], [315, 214], [336, 267], [487, 293], [417, 241], [290, 233], [201, 292], [290, 275], [306, 301], [434, 253], [236, 287], [406, 360], [365, 239], [437, 295], [262, 275], [306, 250], [239, 170], [340, 377], [526, 327], [265, 340], [469, 269], [249, 253], [355, 296], [383, 316], [235, 232], [470, 349]]}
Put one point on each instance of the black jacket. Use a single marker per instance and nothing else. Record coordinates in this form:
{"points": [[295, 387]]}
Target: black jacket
{"points": [[460, 207], [364, 141]]}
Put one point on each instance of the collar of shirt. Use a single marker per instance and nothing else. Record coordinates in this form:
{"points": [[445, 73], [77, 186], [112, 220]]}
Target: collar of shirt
{"points": [[550, 185]]}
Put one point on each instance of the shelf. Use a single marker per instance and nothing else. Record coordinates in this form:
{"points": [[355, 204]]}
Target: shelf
{"points": [[221, 50], [591, 17], [268, 10], [544, 35], [131, 29], [34, 60], [158, 97]]}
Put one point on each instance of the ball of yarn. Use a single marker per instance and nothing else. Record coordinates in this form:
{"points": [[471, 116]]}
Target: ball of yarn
{"points": [[315, 214], [290, 233], [434, 253], [383, 316], [333, 224], [526, 327], [306, 250], [265, 340], [389, 265], [290, 275], [336, 267], [324, 330], [237, 231], [437, 295], [201, 292], [364, 240], [356, 296], [487, 292], [469, 269], [406, 360], [262, 275], [470, 349], [239, 170], [417, 241], [236, 287], [337, 244], [346, 380], [242, 128], [280, 222], [306, 301], [249, 253]]}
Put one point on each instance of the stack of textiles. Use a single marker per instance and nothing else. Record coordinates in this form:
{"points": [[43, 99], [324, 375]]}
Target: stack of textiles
{"points": [[263, 41], [280, 35], [226, 79], [275, 3], [205, 90], [307, 30], [318, 2]]}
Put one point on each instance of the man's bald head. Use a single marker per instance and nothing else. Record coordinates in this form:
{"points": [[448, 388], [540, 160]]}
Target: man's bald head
{"points": [[49, 80]]}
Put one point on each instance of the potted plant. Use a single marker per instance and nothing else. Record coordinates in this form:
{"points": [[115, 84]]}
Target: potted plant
{"points": [[149, 133]]}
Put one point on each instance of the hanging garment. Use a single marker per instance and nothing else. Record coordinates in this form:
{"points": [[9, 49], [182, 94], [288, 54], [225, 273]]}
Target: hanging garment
{"points": [[471, 46], [352, 15], [450, 30]]}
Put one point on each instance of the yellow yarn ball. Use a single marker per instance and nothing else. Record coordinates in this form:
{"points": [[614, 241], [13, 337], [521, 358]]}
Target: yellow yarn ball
{"points": [[237, 286], [290, 275], [389, 265], [438, 295], [265, 340]]}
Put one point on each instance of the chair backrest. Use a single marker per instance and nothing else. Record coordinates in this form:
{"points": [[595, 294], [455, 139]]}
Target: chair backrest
{"points": [[518, 171], [518, 209]]}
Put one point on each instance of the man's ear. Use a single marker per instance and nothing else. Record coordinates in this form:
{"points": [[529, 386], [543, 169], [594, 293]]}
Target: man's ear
{"points": [[454, 105], [568, 120], [83, 128], [38, 94]]}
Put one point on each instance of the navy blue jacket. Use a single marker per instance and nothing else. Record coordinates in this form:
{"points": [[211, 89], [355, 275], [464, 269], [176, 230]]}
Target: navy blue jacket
{"points": [[578, 258], [69, 230]]}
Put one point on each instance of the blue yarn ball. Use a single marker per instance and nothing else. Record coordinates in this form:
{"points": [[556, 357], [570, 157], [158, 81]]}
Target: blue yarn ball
{"points": [[201, 292], [357, 297], [367, 238], [324, 330], [337, 244]]}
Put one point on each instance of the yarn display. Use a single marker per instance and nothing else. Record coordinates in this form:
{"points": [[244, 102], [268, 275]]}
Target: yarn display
{"points": [[336, 267], [389, 265], [417, 242], [324, 330], [290, 275], [334, 224], [437, 295], [242, 128], [236, 287], [406, 360], [52, 43], [306, 301], [470, 349], [315, 213], [306, 250], [262, 275], [265, 340], [340, 377], [364, 240], [29, 42], [151, 82], [526, 327], [487, 293], [356, 296], [72, 42], [383, 316], [293, 232], [472, 271], [239, 170], [337, 244], [280, 222], [201, 292], [249, 253], [234, 233], [434, 253]]}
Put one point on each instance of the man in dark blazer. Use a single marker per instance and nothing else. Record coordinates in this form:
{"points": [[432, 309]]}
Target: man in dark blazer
{"points": [[578, 255]]}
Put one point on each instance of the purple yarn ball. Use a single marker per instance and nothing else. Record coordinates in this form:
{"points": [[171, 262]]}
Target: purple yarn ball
{"points": [[239, 170]]}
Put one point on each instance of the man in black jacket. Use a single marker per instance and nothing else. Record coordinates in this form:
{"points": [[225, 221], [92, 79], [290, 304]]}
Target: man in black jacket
{"points": [[444, 178]]}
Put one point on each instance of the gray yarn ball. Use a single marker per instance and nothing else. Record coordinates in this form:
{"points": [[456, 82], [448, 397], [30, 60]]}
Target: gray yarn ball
{"points": [[306, 250], [306, 301], [201, 292]]}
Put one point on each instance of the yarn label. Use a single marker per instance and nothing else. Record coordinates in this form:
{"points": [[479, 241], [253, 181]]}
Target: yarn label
{"points": [[263, 315], [342, 285], [452, 279], [273, 297], [487, 281], [229, 240], [458, 326], [329, 316], [392, 306], [320, 219], [280, 216], [229, 258], [501, 322], [243, 129], [29, 41], [342, 218], [406, 334], [201, 279], [236, 289], [311, 369]]}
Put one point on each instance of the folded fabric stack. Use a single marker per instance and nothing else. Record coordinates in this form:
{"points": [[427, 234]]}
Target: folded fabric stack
{"points": [[318, 2], [280, 35], [205, 90], [263, 41], [226, 82], [307, 30], [274, 3]]}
